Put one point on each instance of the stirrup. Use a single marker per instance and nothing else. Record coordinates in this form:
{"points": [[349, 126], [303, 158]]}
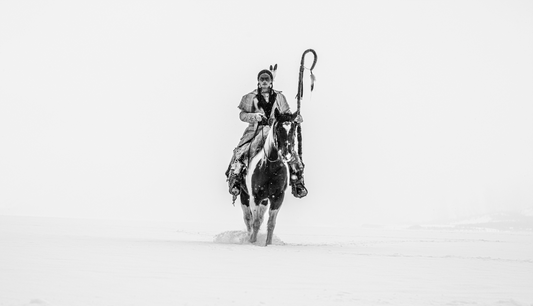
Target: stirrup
{"points": [[234, 184], [298, 188], [234, 198]]}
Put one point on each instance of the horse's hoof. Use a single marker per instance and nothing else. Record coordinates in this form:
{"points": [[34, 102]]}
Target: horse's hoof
{"points": [[253, 239]]}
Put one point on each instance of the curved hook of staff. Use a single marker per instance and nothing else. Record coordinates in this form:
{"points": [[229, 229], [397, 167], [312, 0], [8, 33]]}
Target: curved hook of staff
{"points": [[300, 78], [314, 60]]}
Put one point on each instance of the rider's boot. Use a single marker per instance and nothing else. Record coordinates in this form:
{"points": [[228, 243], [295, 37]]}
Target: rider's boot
{"points": [[235, 178], [296, 170]]}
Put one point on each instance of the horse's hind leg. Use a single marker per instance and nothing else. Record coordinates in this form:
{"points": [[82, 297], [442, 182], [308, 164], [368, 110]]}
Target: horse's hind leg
{"points": [[275, 205], [246, 211], [247, 216]]}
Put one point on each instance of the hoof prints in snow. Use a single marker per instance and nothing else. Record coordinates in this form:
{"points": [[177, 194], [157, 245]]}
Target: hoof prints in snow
{"points": [[241, 237]]}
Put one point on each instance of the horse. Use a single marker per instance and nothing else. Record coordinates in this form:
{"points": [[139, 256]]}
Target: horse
{"points": [[267, 176]]}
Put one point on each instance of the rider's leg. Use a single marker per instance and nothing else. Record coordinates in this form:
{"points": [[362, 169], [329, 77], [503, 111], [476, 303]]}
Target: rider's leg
{"points": [[235, 177], [296, 170]]}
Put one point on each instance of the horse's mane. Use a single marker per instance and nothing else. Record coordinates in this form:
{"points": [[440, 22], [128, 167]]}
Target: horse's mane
{"points": [[284, 117], [269, 143]]}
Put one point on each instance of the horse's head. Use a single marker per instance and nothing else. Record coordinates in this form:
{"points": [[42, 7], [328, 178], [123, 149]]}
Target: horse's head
{"points": [[285, 134]]}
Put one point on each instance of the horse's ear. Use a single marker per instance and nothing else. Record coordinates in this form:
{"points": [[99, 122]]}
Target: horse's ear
{"points": [[276, 114], [294, 116]]}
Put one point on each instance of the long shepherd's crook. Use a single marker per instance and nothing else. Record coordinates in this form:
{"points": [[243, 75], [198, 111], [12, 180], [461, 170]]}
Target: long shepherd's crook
{"points": [[300, 93]]}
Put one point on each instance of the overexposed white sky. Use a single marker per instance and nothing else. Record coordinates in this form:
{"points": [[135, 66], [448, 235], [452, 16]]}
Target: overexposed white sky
{"points": [[128, 109]]}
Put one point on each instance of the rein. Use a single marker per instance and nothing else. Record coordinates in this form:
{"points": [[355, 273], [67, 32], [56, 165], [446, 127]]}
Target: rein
{"points": [[251, 142], [250, 157]]}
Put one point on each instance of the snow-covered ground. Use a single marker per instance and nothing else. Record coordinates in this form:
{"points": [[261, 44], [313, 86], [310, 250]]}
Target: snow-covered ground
{"points": [[67, 262]]}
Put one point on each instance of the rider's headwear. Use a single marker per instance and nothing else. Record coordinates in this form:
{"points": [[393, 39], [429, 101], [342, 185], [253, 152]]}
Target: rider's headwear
{"points": [[265, 71]]}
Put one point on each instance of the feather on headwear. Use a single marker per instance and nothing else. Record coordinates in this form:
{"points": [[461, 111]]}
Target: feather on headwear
{"points": [[271, 72]]}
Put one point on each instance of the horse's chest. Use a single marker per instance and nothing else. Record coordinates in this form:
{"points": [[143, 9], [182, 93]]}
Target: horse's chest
{"points": [[269, 180]]}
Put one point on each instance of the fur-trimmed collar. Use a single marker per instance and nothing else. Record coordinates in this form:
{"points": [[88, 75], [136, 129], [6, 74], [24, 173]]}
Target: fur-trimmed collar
{"points": [[255, 92]]}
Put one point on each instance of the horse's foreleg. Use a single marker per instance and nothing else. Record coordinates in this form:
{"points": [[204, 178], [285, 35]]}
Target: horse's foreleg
{"points": [[275, 205], [258, 219], [273, 213]]}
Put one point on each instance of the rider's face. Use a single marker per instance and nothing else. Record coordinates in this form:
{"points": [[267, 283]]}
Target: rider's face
{"points": [[265, 81]]}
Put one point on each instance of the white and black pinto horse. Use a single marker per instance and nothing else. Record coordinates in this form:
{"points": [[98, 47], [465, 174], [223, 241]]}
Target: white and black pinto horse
{"points": [[267, 177]]}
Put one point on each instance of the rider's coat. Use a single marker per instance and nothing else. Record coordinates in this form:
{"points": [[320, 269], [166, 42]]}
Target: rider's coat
{"points": [[247, 146]]}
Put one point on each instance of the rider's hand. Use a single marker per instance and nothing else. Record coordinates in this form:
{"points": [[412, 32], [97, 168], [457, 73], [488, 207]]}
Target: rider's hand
{"points": [[299, 119], [259, 117]]}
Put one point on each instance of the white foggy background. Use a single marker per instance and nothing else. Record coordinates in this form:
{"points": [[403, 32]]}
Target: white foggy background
{"points": [[422, 110]]}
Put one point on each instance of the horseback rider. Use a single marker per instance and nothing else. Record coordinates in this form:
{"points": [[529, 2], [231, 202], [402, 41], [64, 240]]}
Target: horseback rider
{"points": [[257, 109]]}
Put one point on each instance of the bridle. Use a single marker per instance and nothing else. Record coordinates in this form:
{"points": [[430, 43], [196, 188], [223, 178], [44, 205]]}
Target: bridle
{"points": [[275, 140]]}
